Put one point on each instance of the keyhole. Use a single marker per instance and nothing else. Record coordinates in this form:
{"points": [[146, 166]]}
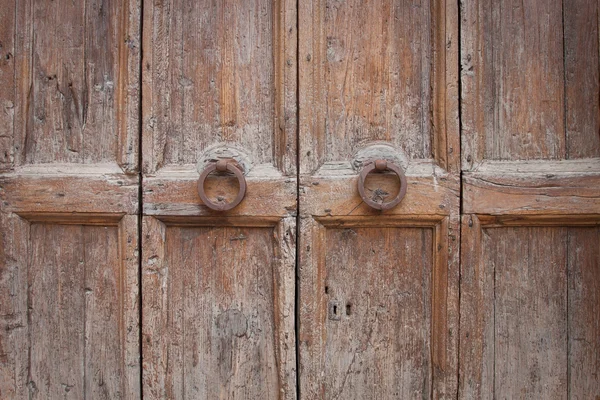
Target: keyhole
{"points": [[334, 313]]}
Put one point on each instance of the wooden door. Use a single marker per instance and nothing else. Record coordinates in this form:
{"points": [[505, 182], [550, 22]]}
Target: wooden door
{"points": [[530, 275], [69, 325], [117, 280], [378, 291], [219, 80]]}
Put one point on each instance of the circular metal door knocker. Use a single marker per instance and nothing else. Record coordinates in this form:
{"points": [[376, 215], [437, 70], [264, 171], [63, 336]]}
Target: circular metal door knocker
{"points": [[222, 166], [381, 166]]}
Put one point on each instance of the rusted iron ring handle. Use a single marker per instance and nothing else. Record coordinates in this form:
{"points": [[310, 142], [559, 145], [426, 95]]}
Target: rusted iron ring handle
{"points": [[222, 166], [381, 166]]}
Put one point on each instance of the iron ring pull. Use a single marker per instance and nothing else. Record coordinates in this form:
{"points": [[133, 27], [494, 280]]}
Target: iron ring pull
{"points": [[222, 166], [381, 166]]}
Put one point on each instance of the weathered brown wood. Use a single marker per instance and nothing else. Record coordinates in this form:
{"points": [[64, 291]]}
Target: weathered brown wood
{"points": [[339, 197], [7, 89], [525, 305], [219, 287], [76, 97], [176, 193], [380, 345], [512, 80], [218, 319], [583, 258], [530, 310], [68, 199], [582, 78], [96, 189], [476, 364], [381, 72], [533, 188], [14, 324], [219, 72], [72, 329], [529, 80]]}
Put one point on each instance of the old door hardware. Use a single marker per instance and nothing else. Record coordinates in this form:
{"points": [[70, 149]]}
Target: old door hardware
{"points": [[381, 166], [223, 165]]}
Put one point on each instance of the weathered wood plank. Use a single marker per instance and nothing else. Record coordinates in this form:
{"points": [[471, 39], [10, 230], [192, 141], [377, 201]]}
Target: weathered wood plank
{"points": [[583, 257], [83, 312], [177, 194], [7, 76], [214, 326], [70, 190], [529, 328], [375, 331], [513, 80], [219, 72], [582, 78], [14, 325], [338, 196], [57, 318], [476, 364], [530, 310], [531, 194], [77, 83], [365, 75]]}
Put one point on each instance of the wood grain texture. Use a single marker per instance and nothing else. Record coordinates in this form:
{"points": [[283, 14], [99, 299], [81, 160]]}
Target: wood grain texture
{"points": [[530, 80], [425, 195], [96, 189], [218, 314], [582, 78], [14, 326], [176, 193], [360, 269], [76, 83], [78, 335], [527, 312], [583, 258], [376, 332], [540, 187], [219, 72], [530, 311], [375, 72], [7, 76]]}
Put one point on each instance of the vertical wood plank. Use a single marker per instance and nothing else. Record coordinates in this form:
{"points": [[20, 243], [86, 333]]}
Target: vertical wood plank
{"points": [[111, 311], [57, 312], [582, 78], [14, 326], [445, 88], [284, 306], [476, 368], [583, 246], [154, 324], [312, 313], [218, 314], [530, 306], [7, 77]]}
